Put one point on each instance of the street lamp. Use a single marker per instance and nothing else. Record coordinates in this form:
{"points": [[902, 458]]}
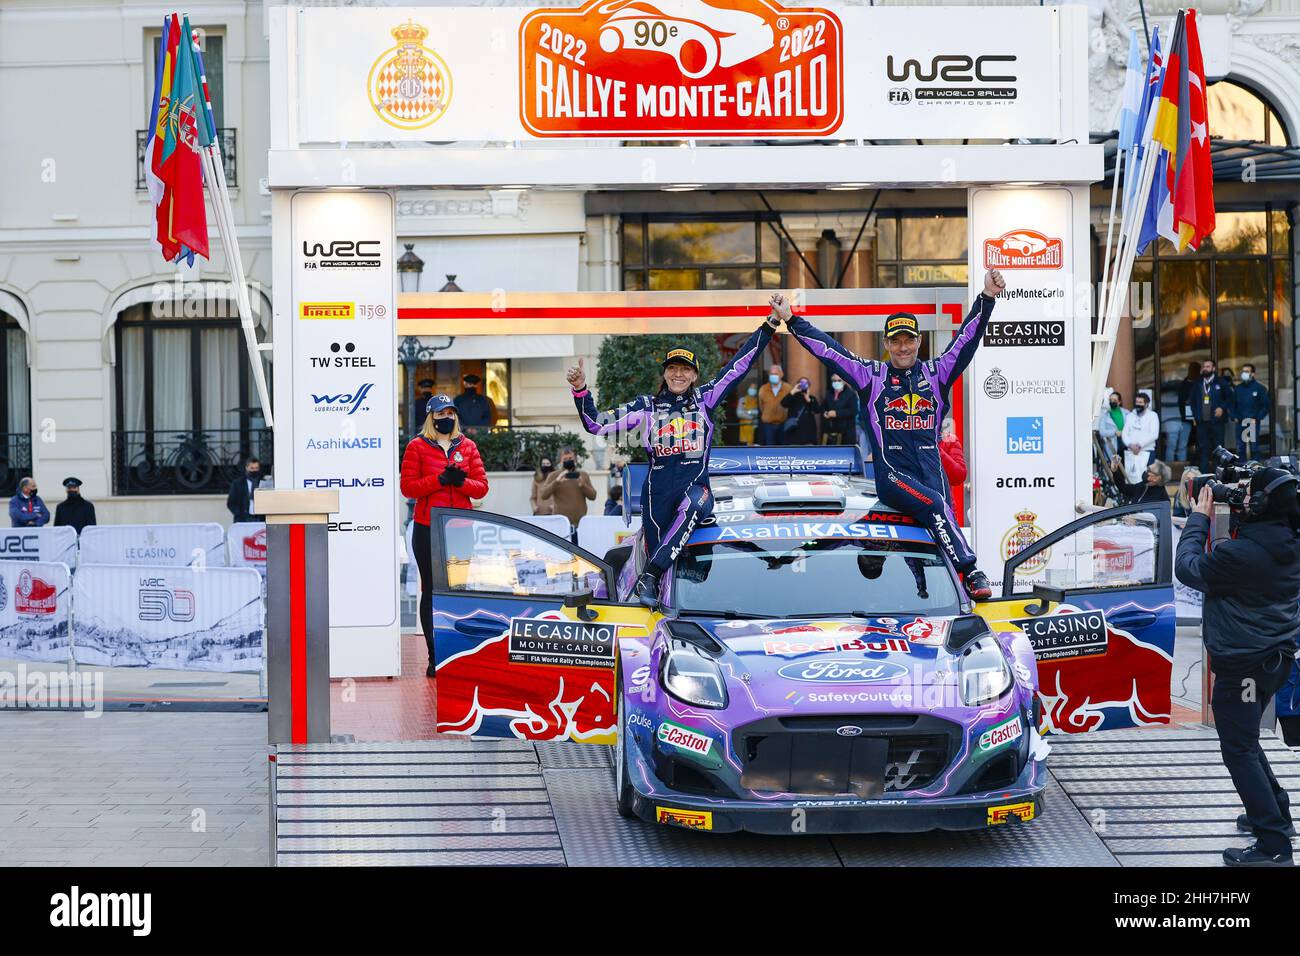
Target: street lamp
{"points": [[451, 285], [409, 267]]}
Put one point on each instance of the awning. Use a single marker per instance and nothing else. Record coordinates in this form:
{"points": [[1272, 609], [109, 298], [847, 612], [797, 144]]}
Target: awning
{"points": [[1228, 157]]}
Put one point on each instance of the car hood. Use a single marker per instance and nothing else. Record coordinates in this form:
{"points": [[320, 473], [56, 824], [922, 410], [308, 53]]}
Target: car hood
{"points": [[827, 664]]}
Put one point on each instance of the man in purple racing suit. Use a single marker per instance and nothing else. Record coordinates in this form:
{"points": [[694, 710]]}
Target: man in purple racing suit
{"points": [[676, 428], [907, 400]]}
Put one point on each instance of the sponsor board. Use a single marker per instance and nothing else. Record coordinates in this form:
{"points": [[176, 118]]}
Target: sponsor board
{"points": [[561, 642], [1006, 812], [1004, 733], [683, 738], [691, 819], [1067, 635], [1028, 333]]}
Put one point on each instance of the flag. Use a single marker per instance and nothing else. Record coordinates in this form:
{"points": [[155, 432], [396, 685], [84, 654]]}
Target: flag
{"points": [[1172, 129], [189, 223], [1194, 197], [164, 145], [1142, 127], [208, 128], [1131, 105], [150, 177]]}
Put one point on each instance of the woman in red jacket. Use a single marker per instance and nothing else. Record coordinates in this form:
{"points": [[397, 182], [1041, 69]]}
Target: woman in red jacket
{"points": [[950, 453], [441, 468]]}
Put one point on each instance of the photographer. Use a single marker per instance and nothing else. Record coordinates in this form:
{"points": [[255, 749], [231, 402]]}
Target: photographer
{"points": [[1250, 620]]}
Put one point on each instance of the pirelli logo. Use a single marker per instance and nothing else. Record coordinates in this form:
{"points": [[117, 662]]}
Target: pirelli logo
{"points": [[691, 819], [327, 310], [1021, 811]]}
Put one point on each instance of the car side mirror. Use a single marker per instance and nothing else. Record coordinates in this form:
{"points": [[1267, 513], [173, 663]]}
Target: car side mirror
{"points": [[581, 600], [1045, 596]]}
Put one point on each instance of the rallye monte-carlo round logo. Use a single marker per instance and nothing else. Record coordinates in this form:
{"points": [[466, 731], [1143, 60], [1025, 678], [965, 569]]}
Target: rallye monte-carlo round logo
{"points": [[681, 67], [409, 85]]}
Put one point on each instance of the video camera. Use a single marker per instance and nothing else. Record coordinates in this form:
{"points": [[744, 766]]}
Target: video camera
{"points": [[1231, 476]]}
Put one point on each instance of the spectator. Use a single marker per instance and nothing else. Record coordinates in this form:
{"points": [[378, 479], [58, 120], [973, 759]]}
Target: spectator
{"points": [[425, 392], [475, 410], [1110, 423], [1176, 421], [544, 468], [614, 503], [1250, 408], [569, 489], [1230, 434], [74, 510], [840, 414], [1183, 503], [441, 468], [1152, 487], [1211, 404], [771, 412], [800, 426], [747, 413], [1139, 435], [952, 456], [26, 509], [240, 500]]}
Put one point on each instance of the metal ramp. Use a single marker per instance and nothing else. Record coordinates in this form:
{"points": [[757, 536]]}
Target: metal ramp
{"points": [[1161, 797], [510, 803]]}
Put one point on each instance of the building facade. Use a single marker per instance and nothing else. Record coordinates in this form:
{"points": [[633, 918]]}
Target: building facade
{"points": [[133, 377]]}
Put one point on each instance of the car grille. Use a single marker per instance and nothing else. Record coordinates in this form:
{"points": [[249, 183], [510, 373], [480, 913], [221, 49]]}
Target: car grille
{"points": [[822, 756]]}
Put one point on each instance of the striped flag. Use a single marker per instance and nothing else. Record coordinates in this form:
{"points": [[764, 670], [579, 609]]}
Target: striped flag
{"points": [[1172, 129], [1194, 187], [159, 160], [188, 221]]}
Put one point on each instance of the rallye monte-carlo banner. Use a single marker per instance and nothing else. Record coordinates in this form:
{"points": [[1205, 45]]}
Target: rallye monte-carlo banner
{"points": [[677, 68]]}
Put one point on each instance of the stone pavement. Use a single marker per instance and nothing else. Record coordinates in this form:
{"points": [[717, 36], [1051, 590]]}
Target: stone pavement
{"points": [[133, 789]]}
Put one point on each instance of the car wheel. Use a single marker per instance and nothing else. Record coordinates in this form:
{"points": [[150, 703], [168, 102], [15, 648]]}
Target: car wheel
{"points": [[622, 788]]}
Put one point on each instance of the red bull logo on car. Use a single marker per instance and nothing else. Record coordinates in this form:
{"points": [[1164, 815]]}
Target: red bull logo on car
{"points": [[909, 413], [679, 436]]}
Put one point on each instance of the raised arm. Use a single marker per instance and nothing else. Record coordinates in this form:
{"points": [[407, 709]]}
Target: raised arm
{"points": [[962, 348], [715, 391], [628, 417]]}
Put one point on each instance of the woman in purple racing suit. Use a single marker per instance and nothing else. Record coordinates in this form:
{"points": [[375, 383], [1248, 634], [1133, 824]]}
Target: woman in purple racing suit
{"points": [[906, 402], [676, 428]]}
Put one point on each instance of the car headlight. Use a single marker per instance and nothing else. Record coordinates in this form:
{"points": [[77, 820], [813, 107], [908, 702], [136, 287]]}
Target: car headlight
{"points": [[694, 679], [984, 673]]}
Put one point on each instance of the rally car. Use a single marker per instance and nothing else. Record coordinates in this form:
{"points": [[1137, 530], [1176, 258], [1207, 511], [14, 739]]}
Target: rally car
{"points": [[813, 666]]}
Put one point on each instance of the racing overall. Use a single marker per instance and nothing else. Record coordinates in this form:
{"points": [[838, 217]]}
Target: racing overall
{"points": [[907, 407], [677, 432]]}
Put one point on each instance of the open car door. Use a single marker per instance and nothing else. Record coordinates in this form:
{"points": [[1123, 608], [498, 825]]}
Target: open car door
{"points": [[525, 631], [1101, 618]]}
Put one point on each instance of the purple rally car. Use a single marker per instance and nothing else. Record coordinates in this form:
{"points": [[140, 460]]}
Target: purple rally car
{"points": [[814, 666]]}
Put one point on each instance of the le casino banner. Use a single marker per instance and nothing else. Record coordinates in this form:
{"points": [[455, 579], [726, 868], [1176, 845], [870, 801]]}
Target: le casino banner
{"points": [[174, 618], [171, 545], [645, 69], [35, 604]]}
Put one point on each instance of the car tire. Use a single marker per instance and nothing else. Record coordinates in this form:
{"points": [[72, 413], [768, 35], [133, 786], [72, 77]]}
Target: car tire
{"points": [[622, 787]]}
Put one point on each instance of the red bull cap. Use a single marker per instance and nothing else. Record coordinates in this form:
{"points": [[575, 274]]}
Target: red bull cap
{"points": [[901, 322]]}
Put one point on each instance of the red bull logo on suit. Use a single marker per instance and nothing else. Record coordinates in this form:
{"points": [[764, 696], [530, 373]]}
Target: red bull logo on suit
{"points": [[909, 413], [679, 436]]}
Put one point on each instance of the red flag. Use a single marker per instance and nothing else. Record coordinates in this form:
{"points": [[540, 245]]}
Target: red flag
{"points": [[189, 221], [161, 159], [1194, 211]]}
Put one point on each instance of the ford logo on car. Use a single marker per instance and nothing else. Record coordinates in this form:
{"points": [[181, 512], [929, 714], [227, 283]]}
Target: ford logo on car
{"points": [[848, 731], [843, 671]]}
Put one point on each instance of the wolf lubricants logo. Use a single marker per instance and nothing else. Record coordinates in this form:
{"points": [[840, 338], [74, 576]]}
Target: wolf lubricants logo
{"points": [[681, 67]]}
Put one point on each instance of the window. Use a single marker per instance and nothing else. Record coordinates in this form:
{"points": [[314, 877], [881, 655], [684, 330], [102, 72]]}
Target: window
{"points": [[446, 376], [661, 253], [15, 407], [187, 411], [485, 556], [1238, 113], [921, 249], [1112, 553]]}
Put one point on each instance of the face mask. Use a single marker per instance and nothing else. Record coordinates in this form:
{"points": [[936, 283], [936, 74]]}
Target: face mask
{"points": [[774, 379], [751, 391], [1246, 376], [469, 389], [444, 426], [1114, 404], [1209, 374], [803, 384], [837, 385], [570, 464], [1139, 409], [547, 469]]}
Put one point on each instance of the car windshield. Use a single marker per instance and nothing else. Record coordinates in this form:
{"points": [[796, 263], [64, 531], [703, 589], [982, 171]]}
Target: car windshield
{"points": [[819, 576]]}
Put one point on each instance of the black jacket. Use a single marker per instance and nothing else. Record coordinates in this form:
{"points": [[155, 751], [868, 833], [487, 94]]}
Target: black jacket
{"points": [[74, 512], [801, 427], [1252, 590], [240, 502], [844, 404]]}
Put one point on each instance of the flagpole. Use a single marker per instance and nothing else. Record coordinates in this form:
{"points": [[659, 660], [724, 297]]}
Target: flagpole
{"points": [[1110, 227], [220, 196]]}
